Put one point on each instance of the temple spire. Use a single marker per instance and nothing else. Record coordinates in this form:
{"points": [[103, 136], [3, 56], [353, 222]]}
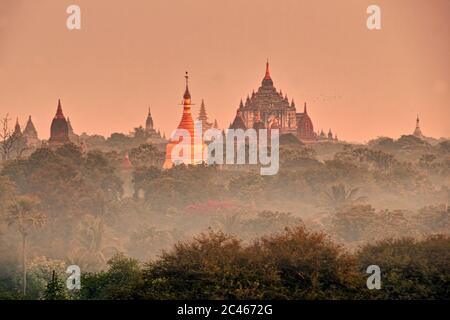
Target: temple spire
{"points": [[149, 122], [267, 81], [187, 94], [267, 76], [417, 131], [202, 114], [59, 111], [17, 129], [305, 111]]}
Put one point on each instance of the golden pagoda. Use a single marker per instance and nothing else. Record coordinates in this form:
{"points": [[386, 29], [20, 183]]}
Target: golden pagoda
{"points": [[192, 143]]}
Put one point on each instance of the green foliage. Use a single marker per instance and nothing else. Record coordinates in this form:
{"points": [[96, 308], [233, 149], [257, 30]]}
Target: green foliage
{"points": [[410, 269], [121, 281], [296, 264], [89, 218], [56, 289]]}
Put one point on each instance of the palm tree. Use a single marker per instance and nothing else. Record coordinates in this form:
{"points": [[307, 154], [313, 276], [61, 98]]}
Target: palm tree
{"points": [[94, 244], [338, 197], [22, 213]]}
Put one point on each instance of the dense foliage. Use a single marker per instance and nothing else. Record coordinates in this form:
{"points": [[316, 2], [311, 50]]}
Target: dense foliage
{"points": [[67, 206]]}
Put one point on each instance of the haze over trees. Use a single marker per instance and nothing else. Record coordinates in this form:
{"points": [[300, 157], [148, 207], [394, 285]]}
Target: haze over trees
{"points": [[308, 232]]}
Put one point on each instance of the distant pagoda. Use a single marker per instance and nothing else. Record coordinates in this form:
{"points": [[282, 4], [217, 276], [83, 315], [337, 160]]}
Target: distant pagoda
{"points": [[203, 118], [73, 137], [59, 130], [17, 130], [417, 131], [30, 133], [149, 123]]}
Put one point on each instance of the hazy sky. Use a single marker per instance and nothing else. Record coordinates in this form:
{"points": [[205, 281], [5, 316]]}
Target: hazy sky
{"points": [[133, 54]]}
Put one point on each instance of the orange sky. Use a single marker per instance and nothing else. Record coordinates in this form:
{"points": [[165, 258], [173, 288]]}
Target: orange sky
{"points": [[133, 54]]}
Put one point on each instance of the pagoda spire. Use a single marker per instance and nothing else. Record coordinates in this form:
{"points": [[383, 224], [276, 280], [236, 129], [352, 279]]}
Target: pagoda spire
{"points": [[149, 121], [305, 111], [267, 76], [59, 111], [418, 132], [30, 130], [186, 124], [202, 114], [187, 94], [17, 129], [267, 81]]}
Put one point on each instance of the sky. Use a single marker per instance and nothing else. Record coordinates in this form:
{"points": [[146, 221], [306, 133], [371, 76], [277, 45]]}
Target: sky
{"points": [[131, 55]]}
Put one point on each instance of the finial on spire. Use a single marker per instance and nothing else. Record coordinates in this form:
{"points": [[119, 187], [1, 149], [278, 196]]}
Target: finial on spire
{"points": [[187, 94], [267, 76], [305, 111]]}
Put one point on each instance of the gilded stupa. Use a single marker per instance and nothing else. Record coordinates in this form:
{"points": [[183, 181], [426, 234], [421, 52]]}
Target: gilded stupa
{"points": [[194, 143]]}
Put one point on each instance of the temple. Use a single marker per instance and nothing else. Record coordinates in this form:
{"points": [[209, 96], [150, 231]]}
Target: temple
{"points": [[149, 123], [74, 138], [30, 134], [17, 130], [152, 136], [59, 130], [203, 118], [269, 108], [417, 131], [305, 128], [176, 140]]}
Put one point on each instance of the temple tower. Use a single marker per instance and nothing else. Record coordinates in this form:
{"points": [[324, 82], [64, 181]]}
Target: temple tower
{"points": [[59, 130], [17, 130], [149, 122], [417, 131], [30, 133], [203, 118]]}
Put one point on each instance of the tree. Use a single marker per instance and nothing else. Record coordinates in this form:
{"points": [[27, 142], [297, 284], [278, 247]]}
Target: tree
{"points": [[55, 289], [295, 264], [147, 155], [410, 269], [92, 246], [338, 198], [7, 138], [23, 213], [121, 281]]}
